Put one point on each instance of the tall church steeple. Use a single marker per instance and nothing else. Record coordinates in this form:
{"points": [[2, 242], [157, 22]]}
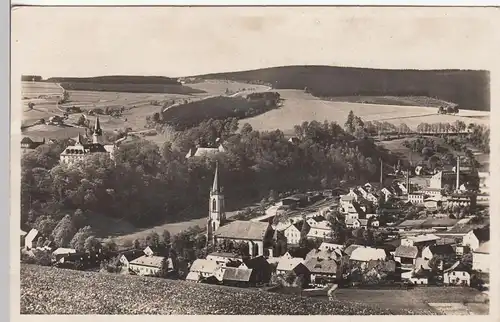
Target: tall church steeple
{"points": [[217, 214], [97, 131]]}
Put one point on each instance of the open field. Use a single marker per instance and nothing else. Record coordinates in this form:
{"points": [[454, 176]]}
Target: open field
{"points": [[35, 89], [137, 106], [47, 290], [299, 106], [416, 298]]}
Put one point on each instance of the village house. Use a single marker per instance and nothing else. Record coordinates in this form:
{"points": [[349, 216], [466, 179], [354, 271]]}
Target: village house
{"points": [[364, 254], [355, 193], [386, 193], [330, 246], [322, 271], [233, 276], [456, 277], [202, 269], [155, 251], [372, 197], [420, 240], [416, 198], [349, 249], [127, 256], [476, 237], [30, 239], [61, 252], [406, 255], [223, 258], [324, 254], [295, 264], [481, 258], [199, 152], [27, 143], [434, 250], [149, 265], [293, 232], [261, 269], [81, 260], [320, 231]]}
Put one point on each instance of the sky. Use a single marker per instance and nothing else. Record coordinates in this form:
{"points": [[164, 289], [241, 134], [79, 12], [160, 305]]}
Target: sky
{"points": [[182, 41]]}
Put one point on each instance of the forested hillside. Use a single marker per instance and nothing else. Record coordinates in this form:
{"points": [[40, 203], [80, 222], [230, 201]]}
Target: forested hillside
{"points": [[151, 184], [467, 88]]}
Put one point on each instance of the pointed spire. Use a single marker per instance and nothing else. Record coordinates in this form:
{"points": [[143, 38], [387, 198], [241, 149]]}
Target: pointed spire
{"points": [[215, 187], [97, 127]]}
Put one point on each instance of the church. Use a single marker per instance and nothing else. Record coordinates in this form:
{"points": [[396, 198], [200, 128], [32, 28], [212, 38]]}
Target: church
{"points": [[78, 151], [259, 235]]}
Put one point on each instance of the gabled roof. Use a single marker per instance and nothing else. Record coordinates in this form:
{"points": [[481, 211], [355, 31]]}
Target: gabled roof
{"points": [[203, 265], [441, 249], [325, 246], [406, 251], [288, 264], [349, 249], [321, 266], [26, 140], [351, 221], [62, 251], [364, 254], [322, 254], [237, 274], [31, 235], [424, 238], [239, 229], [151, 261], [346, 198], [224, 255], [482, 234], [130, 255], [258, 262]]}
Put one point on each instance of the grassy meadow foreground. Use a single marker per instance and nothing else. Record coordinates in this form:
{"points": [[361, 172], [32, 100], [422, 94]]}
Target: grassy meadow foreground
{"points": [[79, 292]]}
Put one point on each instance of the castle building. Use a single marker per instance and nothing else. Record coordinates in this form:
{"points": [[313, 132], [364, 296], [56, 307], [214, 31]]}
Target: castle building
{"points": [[77, 152]]}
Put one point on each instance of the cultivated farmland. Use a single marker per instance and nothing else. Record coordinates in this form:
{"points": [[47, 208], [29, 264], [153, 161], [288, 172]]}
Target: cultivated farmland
{"points": [[58, 291], [299, 106]]}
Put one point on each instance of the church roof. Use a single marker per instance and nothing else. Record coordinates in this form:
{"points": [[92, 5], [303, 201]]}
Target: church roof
{"points": [[239, 229]]}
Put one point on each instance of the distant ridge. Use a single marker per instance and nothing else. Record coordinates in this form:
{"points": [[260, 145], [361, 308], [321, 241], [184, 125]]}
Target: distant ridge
{"points": [[470, 89]]}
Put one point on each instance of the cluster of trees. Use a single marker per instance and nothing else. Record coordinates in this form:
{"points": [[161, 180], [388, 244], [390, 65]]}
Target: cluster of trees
{"points": [[162, 185], [191, 114], [64, 98], [448, 109], [456, 127]]}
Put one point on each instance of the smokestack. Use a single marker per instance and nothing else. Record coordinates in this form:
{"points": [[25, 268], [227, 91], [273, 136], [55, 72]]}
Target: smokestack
{"points": [[381, 171], [408, 181], [458, 173]]}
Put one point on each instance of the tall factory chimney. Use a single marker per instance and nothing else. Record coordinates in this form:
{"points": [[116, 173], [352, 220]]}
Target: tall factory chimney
{"points": [[458, 173], [381, 171], [408, 181]]}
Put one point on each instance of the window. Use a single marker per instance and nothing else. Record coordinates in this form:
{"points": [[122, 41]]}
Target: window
{"points": [[214, 205]]}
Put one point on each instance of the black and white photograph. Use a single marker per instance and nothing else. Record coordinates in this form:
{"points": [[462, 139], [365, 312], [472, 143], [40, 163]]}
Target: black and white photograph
{"points": [[252, 160]]}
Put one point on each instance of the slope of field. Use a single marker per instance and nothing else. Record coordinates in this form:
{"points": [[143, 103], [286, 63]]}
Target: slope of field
{"points": [[59, 291], [35, 89], [467, 88], [299, 106]]}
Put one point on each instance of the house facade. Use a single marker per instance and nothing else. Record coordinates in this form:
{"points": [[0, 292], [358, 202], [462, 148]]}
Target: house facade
{"points": [[322, 271], [481, 258], [456, 278], [148, 265], [406, 255], [476, 237]]}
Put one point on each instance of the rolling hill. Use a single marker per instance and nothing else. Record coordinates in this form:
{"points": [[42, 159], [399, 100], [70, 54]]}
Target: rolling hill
{"points": [[467, 88]]}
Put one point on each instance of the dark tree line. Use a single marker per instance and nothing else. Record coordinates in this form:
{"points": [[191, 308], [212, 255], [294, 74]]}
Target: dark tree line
{"points": [[148, 184]]}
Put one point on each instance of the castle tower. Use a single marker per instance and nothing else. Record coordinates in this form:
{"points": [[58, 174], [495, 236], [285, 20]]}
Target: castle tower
{"points": [[96, 136], [217, 213]]}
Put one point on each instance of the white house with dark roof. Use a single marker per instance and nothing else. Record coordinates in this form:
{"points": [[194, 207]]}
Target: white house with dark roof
{"points": [[476, 237], [481, 258], [295, 264], [406, 255], [149, 265], [30, 239]]}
